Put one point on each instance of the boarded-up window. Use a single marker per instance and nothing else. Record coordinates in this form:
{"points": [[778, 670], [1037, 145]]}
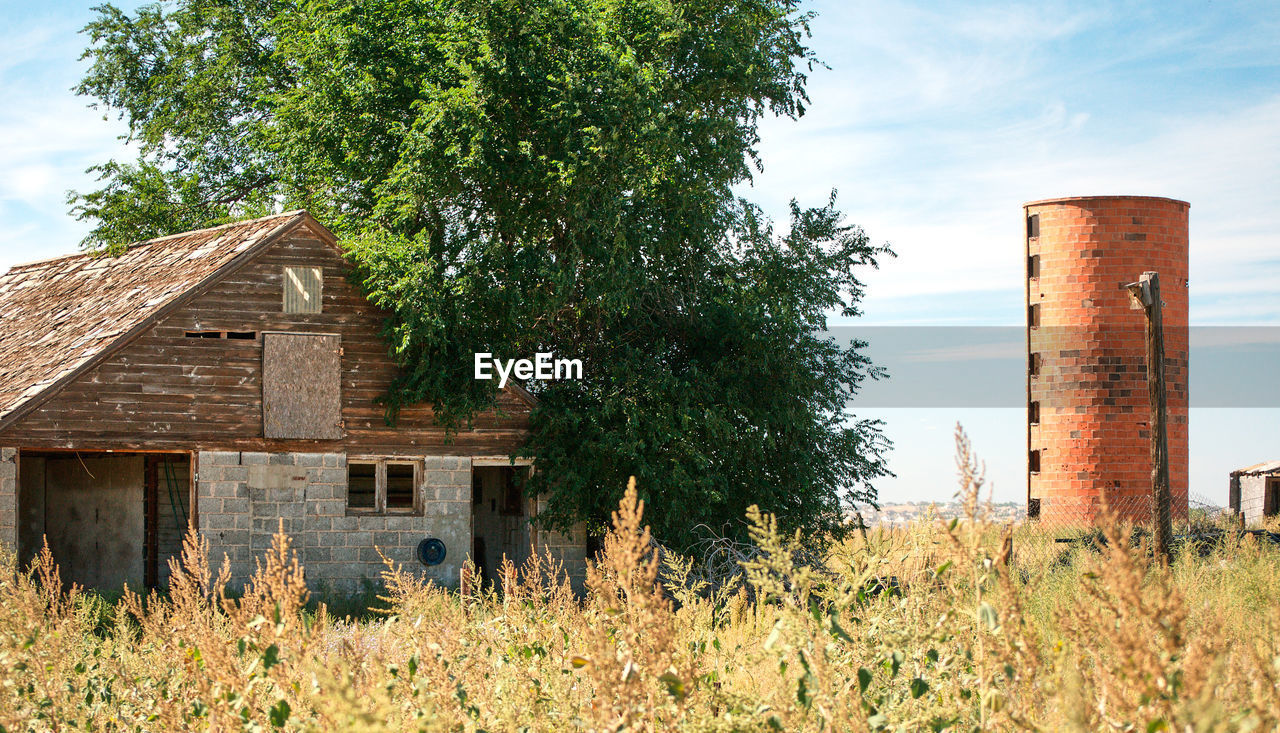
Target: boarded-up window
{"points": [[302, 289], [301, 386]]}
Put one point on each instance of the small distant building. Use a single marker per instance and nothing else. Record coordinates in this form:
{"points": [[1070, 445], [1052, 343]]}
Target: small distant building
{"points": [[1255, 491]]}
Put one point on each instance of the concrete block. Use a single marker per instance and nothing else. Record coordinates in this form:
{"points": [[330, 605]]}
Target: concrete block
{"points": [[439, 478], [235, 506], [227, 537], [358, 539], [208, 506], [328, 476], [219, 458], [308, 459], [386, 539], [8, 454], [233, 473], [344, 523], [433, 463], [345, 554], [330, 507], [226, 489], [404, 523], [315, 554], [280, 459], [279, 496], [254, 459], [371, 523]]}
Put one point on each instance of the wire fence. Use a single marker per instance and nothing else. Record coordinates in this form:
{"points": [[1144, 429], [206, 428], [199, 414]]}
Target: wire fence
{"points": [[1064, 528]]}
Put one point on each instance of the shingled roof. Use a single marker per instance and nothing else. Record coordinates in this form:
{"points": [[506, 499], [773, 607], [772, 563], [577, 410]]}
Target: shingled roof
{"points": [[60, 317]]}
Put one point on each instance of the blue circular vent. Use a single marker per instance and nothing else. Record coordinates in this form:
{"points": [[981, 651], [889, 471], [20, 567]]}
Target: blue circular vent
{"points": [[431, 551]]}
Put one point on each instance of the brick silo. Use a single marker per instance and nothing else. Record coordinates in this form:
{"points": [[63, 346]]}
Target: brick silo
{"points": [[1087, 403]]}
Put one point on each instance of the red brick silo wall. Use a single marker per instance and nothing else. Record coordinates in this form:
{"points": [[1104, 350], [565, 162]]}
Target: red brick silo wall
{"points": [[1089, 387]]}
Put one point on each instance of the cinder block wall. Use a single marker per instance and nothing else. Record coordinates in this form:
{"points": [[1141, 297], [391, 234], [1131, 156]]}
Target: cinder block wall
{"points": [[9, 499], [1092, 435], [244, 498], [570, 549]]}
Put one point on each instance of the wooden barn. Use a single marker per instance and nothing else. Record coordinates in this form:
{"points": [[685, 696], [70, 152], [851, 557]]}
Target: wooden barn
{"points": [[226, 379]]}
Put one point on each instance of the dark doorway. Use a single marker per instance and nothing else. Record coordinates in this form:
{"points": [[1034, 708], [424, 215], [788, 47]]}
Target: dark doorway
{"points": [[499, 518], [1271, 498], [109, 518]]}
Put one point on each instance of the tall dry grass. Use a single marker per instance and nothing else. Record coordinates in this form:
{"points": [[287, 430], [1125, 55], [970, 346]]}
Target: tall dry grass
{"points": [[933, 627]]}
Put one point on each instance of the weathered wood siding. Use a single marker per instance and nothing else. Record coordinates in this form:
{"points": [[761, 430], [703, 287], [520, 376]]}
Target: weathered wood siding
{"points": [[165, 390]]}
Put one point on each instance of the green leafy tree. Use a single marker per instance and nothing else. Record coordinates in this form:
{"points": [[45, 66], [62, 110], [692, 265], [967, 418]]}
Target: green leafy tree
{"points": [[516, 176]]}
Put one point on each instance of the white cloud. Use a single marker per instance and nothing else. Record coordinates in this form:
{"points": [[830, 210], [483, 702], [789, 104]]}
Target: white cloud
{"points": [[48, 136], [942, 174]]}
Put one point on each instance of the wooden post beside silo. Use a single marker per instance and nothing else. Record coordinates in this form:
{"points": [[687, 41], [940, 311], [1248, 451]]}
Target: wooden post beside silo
{"points": [[1145, 294]]}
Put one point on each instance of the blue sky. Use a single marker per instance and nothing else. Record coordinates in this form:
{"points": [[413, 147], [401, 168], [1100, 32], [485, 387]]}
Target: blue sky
{"points": [[934, 122]]}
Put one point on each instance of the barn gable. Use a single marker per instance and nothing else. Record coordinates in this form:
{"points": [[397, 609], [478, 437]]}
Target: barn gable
{"points": [[58, 317], [166, 367], [227, 380]]}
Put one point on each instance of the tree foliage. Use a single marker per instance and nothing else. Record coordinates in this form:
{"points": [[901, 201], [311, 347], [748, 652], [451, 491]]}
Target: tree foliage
{"points": [[516, 176]]}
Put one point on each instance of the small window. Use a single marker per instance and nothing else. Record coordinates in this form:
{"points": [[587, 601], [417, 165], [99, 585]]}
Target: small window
{"points": [[1033, 413], [1033, 315], [1033, 363], [380, 485], [302, 289], [362, 485], [239, 335], [1033, 266], [1033, 226], [1033, 508], [1033, 461]]}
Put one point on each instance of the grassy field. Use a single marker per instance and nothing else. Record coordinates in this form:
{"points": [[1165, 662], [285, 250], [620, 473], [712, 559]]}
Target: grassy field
{"points": [[961, 640]]}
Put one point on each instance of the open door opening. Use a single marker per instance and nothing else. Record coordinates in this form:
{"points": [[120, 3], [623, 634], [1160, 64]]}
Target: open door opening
{"points": [[499, 519], [109, 518]]}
